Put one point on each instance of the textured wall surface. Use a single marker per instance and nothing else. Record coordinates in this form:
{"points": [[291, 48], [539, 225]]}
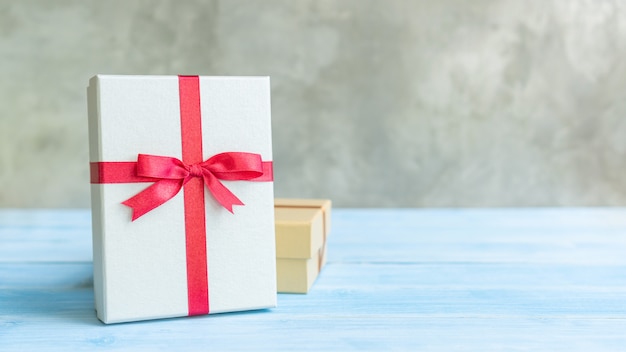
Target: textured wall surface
{"points": [[375, 103]]}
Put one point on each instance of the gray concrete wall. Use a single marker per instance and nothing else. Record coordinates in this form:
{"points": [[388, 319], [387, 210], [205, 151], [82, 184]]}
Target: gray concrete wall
{"points": [[375, 103]]}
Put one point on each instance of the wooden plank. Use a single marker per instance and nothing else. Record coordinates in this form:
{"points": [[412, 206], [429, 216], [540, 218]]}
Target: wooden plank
{"points": [[364, 276], [45, 235], [590, 236], [45, 218], [396, 290], [41, 244], [68, 323], [50, 275], [404, 220], [512, 218]]}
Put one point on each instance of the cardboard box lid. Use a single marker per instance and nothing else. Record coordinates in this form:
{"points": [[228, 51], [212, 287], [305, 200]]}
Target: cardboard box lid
{"points": [[324, 204], [302, 226]]}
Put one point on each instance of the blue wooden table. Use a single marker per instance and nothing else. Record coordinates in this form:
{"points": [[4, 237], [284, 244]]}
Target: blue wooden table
{"points": [[517, 279]]}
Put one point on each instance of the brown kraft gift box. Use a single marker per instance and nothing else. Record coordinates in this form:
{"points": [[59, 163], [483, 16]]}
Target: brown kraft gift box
{"points": [[302, 226]]}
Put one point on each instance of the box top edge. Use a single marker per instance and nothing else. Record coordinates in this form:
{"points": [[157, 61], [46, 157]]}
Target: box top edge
{"points": [[302, 203], [115, 76]]}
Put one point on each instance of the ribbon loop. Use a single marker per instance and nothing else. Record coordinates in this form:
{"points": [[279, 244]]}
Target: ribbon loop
{"points": [[160, 167], [242, 166]]}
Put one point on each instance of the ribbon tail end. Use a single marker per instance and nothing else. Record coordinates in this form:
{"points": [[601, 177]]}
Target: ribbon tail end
{"points": [[136, 214], [229, 206], [236, 202]]}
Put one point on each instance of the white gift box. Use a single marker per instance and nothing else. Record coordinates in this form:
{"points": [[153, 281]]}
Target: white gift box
{"points": [[142, 267]]}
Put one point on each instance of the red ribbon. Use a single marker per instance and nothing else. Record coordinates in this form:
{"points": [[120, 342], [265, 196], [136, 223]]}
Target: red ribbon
{"points": [[191, 174]]}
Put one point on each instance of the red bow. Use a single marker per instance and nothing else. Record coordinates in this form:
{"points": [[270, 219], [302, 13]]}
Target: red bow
{"points": [[173, 174]]}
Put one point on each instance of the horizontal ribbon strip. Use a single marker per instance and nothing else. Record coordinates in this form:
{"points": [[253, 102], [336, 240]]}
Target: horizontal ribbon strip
{"points": [[170, 174], [126, 172]]}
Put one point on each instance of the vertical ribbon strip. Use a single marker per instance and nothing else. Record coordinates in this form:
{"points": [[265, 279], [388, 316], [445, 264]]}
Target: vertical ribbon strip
{"points": [[195, 224]]}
